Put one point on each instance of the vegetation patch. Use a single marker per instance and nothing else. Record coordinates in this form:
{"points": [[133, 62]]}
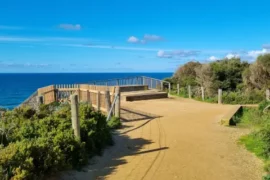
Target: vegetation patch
{"points": [[258, 141], [241, 82], [38, 143]]}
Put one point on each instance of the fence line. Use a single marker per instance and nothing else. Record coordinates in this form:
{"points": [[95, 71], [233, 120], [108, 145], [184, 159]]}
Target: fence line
{"points": [[199, 92], [152, 83]]}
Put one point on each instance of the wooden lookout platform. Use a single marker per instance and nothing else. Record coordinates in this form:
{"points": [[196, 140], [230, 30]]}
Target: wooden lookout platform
{"points": [[101, 94]]}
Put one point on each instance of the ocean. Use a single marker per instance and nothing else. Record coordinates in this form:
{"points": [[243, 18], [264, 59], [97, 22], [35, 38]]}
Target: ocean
{"points": [[16, 87]]}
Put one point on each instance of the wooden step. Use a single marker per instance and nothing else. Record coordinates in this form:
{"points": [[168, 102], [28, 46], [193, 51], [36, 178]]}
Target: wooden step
{"points": [[146, 96], [228, 118]]}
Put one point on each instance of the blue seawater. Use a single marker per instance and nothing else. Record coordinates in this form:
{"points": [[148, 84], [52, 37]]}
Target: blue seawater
{"points": [[16, 87]]}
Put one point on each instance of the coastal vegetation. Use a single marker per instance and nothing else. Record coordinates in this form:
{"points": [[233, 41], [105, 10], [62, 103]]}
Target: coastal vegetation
{"points": [[258, 141], [241, 82], [37, 143]]}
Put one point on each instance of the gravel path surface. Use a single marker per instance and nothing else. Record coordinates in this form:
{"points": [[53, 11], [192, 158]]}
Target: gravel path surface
{"points": [[174, 139]]}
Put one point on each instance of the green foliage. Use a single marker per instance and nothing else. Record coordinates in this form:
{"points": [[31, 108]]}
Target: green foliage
{"points": [[227, 73], [186, 75], [114, 123], [258, 141], [37, 143], [241, 82]]}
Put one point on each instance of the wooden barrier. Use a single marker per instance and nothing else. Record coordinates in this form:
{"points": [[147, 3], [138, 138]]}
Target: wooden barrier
{"points": [[92, 94]]}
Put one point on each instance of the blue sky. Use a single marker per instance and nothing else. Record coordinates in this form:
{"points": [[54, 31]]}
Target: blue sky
{"points": [[128, 36]]}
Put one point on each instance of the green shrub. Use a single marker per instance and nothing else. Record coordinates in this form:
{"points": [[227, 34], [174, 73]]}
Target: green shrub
{"points": [[114, 123], [43, 142]]}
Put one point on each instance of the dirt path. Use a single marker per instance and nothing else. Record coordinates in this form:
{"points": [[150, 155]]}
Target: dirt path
{"points": [[174, 139]]}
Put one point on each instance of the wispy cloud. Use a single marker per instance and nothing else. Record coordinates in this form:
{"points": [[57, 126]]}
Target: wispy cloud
{"points": [[149, 37], [163, 54], [145, 39], [70, 26], [40, 39], [16, 39], [3, 27], [112, 47], [177, 53], [22, 65]]}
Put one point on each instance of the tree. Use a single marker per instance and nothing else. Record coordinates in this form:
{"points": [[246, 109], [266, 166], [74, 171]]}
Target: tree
{"points": [[258, 74], [204, 77], [186, 75], [227, 73]]}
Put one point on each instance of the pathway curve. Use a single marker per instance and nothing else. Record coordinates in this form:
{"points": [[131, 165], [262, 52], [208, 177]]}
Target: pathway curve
{"points": [[174, 139]]}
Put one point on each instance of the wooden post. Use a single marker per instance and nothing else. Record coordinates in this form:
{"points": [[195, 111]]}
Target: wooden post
{"points": [[189, 92], [268, 95], [151, 83], [220, 96], [202, 89], [169, 87], [75, 115], [178, 89], [161, 85], [108, 101], [88, 97], [98, 100], [40, 100], [117, 103]]}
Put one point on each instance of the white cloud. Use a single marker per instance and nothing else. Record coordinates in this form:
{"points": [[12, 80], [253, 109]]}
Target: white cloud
{"points": [[163, 54], [256, 53], [148, 37], [231, 56], [133, 39], [213, 58], [145, 39], [70, 26]]}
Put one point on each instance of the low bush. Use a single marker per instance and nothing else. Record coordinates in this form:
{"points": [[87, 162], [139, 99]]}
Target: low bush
{"points": [[258, 141], [114, 123], [35, 143]]}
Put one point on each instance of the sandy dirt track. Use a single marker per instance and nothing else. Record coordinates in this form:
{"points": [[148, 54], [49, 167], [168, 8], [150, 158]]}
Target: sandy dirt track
{"points": [[173, 139]]}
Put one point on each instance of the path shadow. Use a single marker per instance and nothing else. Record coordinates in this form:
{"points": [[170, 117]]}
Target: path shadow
{"points": [[124, 151]]}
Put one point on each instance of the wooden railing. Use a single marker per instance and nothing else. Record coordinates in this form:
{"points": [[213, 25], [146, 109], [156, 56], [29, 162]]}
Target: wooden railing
{"points": [[95, 95]]}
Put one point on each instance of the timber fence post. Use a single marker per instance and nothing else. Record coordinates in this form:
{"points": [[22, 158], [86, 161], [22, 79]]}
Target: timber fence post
{"points": [[178, 89], [98, 100], [219, 96], [40, 100], [189, 91], [118, 102], [75, 115], [202, 89], [268, 95], [108, 101]]}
